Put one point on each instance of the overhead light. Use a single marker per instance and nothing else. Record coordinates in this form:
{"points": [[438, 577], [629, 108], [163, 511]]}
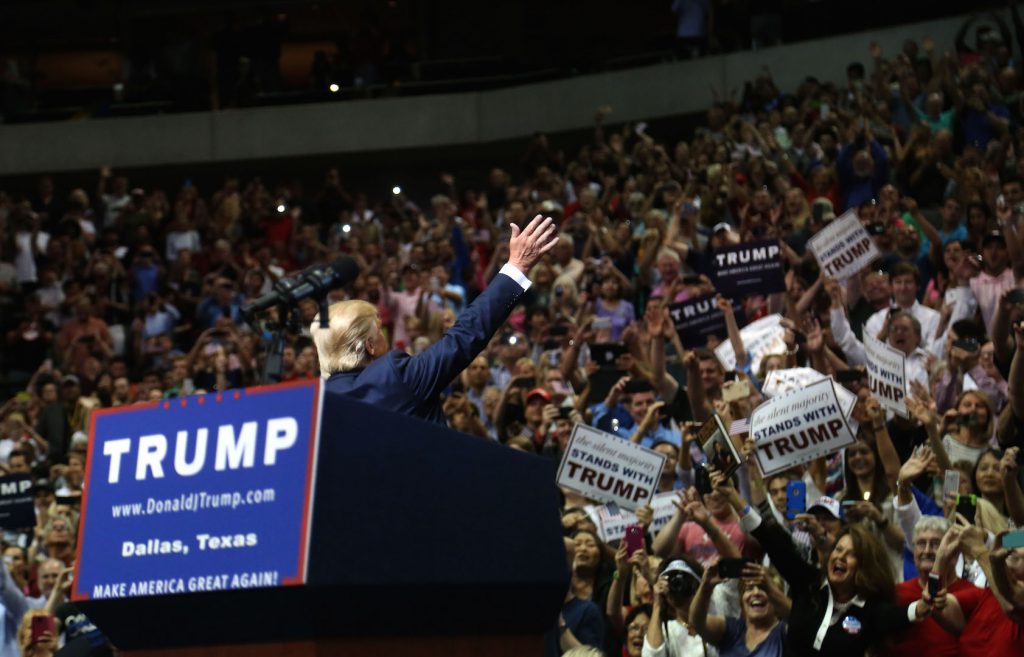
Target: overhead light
{"points": [[281, 208], [334, 88], [396, 190]]}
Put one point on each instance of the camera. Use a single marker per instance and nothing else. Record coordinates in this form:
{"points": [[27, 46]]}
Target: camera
{"points": [[967, 420], [681, 585], [702, 480], [969, 345]]}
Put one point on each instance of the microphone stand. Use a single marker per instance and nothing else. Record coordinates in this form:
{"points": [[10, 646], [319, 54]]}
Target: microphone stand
{"points": [[287, 323], [289, 317], [273, 365]]}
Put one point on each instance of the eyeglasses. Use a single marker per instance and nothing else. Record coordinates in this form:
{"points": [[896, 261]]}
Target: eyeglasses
{"points": [[922, 543], [637, 627]]}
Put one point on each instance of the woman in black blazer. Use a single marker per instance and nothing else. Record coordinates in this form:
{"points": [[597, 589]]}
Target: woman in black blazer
{"points": [[847, 609]]}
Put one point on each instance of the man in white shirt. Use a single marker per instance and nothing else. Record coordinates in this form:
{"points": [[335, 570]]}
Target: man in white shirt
{"points": [[905, 281], [29, 242], [115, 200], [904, 333]]}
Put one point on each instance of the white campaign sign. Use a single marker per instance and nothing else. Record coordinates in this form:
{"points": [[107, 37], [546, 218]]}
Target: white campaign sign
{"points": [[887, 373], [781, 382], [604, 467], [613, 527], [761, 338], [843, 247], [799, 427]]}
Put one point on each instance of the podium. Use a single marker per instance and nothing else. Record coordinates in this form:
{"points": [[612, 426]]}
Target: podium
{"points": [[423, 541]]}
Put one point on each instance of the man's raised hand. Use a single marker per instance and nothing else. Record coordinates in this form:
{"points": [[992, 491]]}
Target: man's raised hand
{"points": [[526, 246]]}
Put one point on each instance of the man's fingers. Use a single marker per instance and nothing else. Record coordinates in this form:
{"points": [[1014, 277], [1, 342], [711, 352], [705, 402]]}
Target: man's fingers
{"points": [[548, 239], [544, 235], [534, 224], [515, 231]]}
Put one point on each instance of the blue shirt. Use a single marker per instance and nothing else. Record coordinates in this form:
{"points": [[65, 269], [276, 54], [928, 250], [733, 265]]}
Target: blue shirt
{"points": [[734, 643], [144, 280], [210, 311], [586, 622], [958, 233], [857, 189], [977, 130], [619, 422]]}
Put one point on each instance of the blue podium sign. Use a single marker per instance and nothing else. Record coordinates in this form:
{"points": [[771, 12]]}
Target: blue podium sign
{"points": [[203, 493]]}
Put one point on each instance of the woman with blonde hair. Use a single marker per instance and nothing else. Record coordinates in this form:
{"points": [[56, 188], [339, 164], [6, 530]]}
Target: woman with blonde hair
{"points": [[44, 645]]}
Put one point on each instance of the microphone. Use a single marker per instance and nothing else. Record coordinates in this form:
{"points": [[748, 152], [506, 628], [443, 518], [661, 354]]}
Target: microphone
{"points": [[315, 281]]}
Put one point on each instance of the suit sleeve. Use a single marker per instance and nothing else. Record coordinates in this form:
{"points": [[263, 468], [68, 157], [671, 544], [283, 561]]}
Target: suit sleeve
{"points": [[428, 373], [785, 556], [890, 618]]}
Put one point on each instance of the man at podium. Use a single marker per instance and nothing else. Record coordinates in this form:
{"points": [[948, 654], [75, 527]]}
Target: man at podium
{"points": [[354, 354]]}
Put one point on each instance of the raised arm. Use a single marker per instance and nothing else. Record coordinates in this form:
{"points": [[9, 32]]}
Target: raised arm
{"points": [[649, 422], [695, 388], [844, 336], [733, 330], [1006, 218], [890, 459], [700, 515], [1003, 583], [1009, 468], [659, 325], [1016, 378], [13, 599], [667, 536], [627, 566], [710, 627], [1001, 328], [910, 205], [429, 372], [921, 407], [809, 295]]}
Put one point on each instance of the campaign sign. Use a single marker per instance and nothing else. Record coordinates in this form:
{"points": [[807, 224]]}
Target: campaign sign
{"points": [[202, 493], [749, 268], [843, 247], [887, 374], [17, 510], [612, 526], [697, 318], [799, 427], [760, 338], [781, 382], [604, 467]]}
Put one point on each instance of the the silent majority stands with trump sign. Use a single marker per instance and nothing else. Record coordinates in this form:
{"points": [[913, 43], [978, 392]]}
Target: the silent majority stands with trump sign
{"points": [[202, 493]]}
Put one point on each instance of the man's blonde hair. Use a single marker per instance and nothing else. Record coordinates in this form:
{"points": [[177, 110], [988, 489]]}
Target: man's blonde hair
{"points": [[342, 346]]}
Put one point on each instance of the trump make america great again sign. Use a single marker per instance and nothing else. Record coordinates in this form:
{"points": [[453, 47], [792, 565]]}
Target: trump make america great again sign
{"points": [[203, 493]]}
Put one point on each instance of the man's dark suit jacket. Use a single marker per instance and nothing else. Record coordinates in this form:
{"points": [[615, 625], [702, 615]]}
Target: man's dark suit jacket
{"points": [[412, 384]]}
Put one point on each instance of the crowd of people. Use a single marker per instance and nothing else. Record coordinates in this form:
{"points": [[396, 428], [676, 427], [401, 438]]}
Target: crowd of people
{"points": [[115, 295]]}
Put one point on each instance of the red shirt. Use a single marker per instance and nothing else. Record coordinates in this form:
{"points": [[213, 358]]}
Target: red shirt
{"points": [[926, 637], [278, 228], [989, 631]]}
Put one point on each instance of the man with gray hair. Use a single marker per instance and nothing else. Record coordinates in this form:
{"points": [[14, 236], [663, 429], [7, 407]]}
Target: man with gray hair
{"points": [[354, 355]]}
